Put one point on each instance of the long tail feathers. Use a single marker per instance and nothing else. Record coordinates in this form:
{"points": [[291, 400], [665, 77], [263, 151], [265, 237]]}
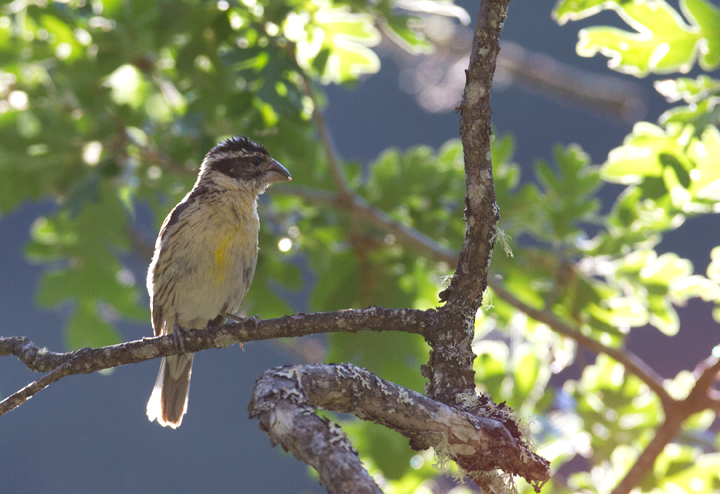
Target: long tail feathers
{"points": [[169, 399]]}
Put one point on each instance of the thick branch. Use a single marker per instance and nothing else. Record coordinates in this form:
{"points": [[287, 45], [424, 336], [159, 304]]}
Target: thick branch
{"points": [[88, 360], [481, 211], [283, 408], [452, 379], [663, 435], [706, 373], [477, 442]]}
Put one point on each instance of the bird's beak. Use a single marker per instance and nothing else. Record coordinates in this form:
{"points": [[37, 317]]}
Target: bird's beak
{"points": [[275, 172]]}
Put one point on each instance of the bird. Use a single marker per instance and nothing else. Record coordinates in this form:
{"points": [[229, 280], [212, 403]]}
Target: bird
{"points": [[204, 259]]}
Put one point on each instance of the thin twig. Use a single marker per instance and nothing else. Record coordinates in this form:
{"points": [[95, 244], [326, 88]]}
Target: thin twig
{"points": [[409, 236], [375, 217], [336, 169], [18, 398], [705, 374], [311, 194], [155, 157], [663, 435], [632, 362]]}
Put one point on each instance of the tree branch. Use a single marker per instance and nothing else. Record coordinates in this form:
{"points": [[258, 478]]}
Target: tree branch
{"points": [[375, 217], [88, 360], [632, 362], [452, 379], [283, 398], [336, 169], [412, 238], [282, 405], [423, 244], [676, 412]]}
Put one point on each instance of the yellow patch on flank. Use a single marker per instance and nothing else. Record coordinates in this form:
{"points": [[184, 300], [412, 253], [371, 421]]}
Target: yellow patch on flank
{"points": [[221, 257]]}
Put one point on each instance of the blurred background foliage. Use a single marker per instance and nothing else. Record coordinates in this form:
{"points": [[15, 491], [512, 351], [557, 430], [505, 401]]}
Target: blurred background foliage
{"points": [[107, 108]]}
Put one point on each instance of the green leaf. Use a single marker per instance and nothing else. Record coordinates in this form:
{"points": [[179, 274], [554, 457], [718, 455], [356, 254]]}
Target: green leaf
{"points": [[688, 90], [397, 28], [616, 406], [128, 86], [702, 114], [344, 39], [573, 10], [662, 315], [665, 269], [621, 312], [638, 157], [87, 329], [705, 154], [672, 167], [663, 42], [527, 369], [659, 281], [568, 200], [685, 468], [713, 269]]}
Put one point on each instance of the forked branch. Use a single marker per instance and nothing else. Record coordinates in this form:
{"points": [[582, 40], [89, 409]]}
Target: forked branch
{"points": [[284, 399]]}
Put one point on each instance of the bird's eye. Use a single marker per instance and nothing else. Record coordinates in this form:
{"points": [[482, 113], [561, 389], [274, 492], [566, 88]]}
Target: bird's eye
{"points": [[256, 161]]}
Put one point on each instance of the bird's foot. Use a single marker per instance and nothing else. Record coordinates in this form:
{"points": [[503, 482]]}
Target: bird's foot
{"points": [[179, 334], [235, 318]]}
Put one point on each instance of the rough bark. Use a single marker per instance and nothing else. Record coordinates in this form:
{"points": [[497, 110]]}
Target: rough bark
{"points": [[88, 360], [284, 398], [452, 379]]}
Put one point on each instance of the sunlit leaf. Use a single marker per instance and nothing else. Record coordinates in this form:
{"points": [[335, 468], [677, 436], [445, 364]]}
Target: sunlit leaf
{"points": [[688, 90], [343, 38], [663, 41]]}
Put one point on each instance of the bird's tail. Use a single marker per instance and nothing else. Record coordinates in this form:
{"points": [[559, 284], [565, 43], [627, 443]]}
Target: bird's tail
{"points": [[169, 399]]}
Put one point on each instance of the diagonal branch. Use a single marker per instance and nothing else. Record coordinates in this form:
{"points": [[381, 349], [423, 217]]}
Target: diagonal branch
{"points": [[632, 362], [676, 413], [372, 215], [282, 405], [336, 169], [88, 360], [703, 395], [283, 398]]}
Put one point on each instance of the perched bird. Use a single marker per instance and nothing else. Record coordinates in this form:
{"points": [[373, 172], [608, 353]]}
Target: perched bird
{"points": [[205, 258]]}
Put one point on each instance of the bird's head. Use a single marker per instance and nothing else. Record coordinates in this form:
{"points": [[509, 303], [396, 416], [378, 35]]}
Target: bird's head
{"points": [[241, 163]]}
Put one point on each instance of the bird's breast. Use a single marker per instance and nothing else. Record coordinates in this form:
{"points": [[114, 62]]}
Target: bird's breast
{"points": [[224, 254], [235, 250]]}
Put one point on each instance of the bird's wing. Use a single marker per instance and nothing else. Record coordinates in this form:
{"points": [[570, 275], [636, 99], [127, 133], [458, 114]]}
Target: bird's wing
{"points": [[160, 287]]}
